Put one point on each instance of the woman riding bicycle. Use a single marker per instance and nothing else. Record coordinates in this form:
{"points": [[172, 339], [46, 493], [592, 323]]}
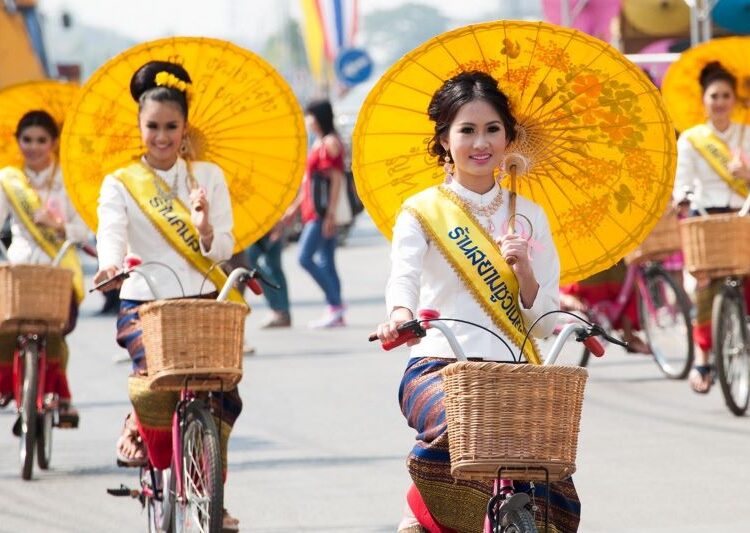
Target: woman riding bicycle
{"points": [[42, 218], [712, 164], [473, 127], [176, 212]]}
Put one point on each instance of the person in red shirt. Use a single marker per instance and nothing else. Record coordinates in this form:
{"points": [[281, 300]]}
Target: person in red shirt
{"points": [[317, 243]]}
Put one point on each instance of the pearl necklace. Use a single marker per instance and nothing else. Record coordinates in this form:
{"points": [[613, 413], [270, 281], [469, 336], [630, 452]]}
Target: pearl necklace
{"points": [[171, 194], [486, 211]]}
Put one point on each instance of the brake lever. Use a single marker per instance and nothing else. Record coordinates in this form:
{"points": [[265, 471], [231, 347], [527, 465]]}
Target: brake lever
{"points": [[256, 274], [596, 329], [125, 274]]}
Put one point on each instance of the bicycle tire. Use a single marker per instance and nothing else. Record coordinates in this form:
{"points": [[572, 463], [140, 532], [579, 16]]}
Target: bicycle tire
{"points": [[44, 439], [672, 308], [731, 347], [29, 422], [518, 521], [201, 472]]}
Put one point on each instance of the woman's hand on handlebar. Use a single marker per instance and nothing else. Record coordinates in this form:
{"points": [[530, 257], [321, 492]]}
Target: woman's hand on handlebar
{"points": [[387, 331], [105, 274]]}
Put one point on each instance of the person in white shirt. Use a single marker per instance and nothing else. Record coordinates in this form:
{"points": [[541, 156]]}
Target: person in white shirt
{"points": [[473, 127], [717, 184], [37, 135], [129, 223]]}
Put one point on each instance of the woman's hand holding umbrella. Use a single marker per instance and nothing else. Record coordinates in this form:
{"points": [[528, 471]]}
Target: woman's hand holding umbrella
{"points": [[515, 250]]}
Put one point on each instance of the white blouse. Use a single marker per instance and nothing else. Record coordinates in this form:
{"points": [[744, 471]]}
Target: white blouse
{"points": [[125, 228], [421, 278], [696, 175], [23, 248]]}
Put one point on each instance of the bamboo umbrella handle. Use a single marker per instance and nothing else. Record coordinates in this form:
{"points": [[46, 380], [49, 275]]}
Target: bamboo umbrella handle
{"points": [[512, 207]]}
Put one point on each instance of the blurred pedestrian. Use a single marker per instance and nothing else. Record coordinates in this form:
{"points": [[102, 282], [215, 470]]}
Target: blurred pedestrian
{"points": [[317, 243], [265, 255]]}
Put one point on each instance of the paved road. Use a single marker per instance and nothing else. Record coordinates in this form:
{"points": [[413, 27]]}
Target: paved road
{"points": [[320, 445]]}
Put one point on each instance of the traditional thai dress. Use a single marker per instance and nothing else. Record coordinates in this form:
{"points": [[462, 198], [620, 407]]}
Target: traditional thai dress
{"points": [[137, 215], [703, 153], [430, 271], [26, 190]]}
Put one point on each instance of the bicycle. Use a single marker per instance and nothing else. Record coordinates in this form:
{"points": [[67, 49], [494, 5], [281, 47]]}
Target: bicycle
{"points": [[508, 511], [188, 496], [38, 410], [664, 311]]}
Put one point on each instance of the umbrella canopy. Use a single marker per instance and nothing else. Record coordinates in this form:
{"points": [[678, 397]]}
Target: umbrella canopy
{"points": [[682, 92], [599, 144], [658, 17], [54, 97], [243, 116]]}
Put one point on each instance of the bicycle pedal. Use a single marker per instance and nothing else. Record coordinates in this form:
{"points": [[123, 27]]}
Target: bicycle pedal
{"points": [[68, 422], [123, 491]]}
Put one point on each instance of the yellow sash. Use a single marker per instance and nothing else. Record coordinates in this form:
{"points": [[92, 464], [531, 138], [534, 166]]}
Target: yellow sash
{"points": [[172, 220], [717, 154], [475, 257], [25, 202]]}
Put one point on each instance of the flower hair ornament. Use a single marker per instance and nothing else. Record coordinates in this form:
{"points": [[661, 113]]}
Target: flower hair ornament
{"points": [[167, 79]]}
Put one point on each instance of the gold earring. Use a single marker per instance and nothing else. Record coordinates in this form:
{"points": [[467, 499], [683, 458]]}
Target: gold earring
{"points": [[448, 167]]}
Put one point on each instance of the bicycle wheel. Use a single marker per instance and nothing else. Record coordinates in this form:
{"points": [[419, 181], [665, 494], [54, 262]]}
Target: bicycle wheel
{"points": [[731, 347], [28, 414], [44, 439], [664, 313], [203, 502]]}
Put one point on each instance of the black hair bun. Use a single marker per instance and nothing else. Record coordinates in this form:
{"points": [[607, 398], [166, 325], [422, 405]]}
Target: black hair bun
{"points": [[711, 72], [144, 78]]}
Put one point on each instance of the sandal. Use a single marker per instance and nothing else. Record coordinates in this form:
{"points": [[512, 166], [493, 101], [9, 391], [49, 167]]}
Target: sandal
{"points": [[131, 437], [229, 524], [701, 378]]}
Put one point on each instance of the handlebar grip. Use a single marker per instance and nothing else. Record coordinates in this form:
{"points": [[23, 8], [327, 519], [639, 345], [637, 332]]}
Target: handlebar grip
{"points": [[594, 346], [254, 286], [401, 339]]}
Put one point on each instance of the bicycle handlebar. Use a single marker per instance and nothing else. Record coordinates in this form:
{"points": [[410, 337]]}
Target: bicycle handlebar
{"points": [[587, 334]]}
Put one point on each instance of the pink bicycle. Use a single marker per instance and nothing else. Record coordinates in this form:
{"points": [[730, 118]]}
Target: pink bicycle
{"points": [[508, 511], [189, 495], [664, 312]]}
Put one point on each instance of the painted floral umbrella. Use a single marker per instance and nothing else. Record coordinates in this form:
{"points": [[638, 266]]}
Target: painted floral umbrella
{"points": [[243, 116], [599, 144]]}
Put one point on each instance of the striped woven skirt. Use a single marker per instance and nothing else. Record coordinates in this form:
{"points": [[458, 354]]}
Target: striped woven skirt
{"points": [[154, 409], [460, 504]]}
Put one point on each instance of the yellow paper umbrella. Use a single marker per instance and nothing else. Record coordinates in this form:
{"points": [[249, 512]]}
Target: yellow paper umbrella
{"points": [[658, 17], [682, 92], [242, 116], [54, 97], [599, 144]]}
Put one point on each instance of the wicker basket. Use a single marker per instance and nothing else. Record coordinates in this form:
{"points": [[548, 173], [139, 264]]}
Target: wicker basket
{"points": [[716, 245], [193, 338], [35, 293], [663, 241], [515, 416]]}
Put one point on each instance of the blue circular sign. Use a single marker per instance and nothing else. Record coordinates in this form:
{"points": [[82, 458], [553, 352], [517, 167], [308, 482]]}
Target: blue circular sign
{"points": [[353, 66]]}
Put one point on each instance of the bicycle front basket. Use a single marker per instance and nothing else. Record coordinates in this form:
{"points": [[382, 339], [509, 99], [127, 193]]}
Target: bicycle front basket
{"points": [[35, 293], [515, 416], [193, 338]]}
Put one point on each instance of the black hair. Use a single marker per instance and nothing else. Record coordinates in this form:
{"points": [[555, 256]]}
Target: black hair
{"points": [[459, 91], [143, 85], [323, 113], [38, 118], [714, 71]]}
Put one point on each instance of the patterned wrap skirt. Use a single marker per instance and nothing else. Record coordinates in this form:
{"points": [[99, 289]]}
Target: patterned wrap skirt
{"points": [[154, 409], [56, 377], [459, 504]]}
